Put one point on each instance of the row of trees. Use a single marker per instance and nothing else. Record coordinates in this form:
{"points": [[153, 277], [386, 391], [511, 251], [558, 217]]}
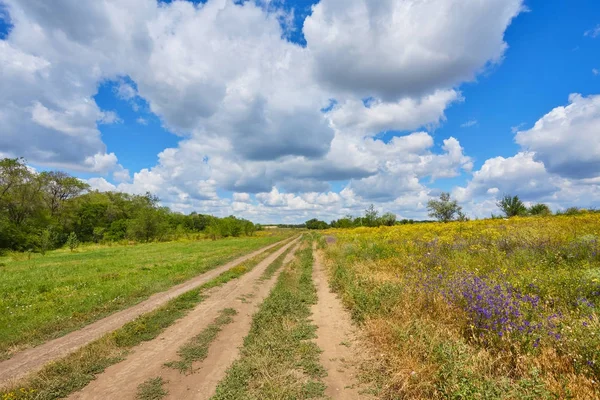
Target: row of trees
{"points": [[370, 219], [41, 211], [443, 209]]}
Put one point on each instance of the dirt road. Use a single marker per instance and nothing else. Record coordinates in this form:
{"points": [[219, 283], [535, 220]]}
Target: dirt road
{"points": [[121, 380], [33, 359], [335, 336]]}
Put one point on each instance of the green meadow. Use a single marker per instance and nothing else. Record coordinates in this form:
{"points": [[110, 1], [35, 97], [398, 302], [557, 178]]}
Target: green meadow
{"points": [[44, 297]]}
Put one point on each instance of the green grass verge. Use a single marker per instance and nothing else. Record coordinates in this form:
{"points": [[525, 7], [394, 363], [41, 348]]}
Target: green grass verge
{"points": [[72, 373], [49, 296], [197, 348], [274, 266], [278, 360], [152, 389]]}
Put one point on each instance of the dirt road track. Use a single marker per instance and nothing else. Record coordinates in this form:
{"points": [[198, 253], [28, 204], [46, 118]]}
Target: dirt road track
{"points": [[336, 338], [33, 359], [223, 351], [121, 380]]}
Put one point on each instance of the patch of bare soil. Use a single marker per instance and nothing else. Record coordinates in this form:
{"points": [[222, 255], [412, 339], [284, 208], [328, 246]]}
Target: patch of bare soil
{"points": [[336, 337], [147, 360], [33, 359]]}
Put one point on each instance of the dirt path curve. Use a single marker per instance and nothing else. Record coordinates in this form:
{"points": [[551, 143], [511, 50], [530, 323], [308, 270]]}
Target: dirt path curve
{"points": [[202, 384], [335, 336], [33, 359], [121, 380]]}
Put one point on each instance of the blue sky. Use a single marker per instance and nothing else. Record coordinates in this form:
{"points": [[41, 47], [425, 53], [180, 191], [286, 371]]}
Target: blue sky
{"points": [[216, 107]]}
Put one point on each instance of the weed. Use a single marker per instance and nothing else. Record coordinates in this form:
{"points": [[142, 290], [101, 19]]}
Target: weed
{"points": [[152, 389], [197, 348]]}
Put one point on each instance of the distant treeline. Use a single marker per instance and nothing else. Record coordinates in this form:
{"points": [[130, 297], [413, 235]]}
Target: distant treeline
{"points": [[42, 211], [444, 209], [370, 219]]}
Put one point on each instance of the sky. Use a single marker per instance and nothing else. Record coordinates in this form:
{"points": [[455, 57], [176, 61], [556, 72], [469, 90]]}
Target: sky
{"points": [[285, 110]]}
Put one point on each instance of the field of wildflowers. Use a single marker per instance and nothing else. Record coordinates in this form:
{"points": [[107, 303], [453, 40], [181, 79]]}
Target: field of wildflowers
{"points": [[485, 309]]}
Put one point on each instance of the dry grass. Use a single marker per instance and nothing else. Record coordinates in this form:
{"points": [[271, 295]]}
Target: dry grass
{"points": [[419, 345]]}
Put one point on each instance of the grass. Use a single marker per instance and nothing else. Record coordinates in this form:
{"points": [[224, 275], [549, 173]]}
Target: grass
{"points": [[197, 348], [152, 389], [274, 266], [48, 296], [74, 372], [484, 309], [278, 359]]}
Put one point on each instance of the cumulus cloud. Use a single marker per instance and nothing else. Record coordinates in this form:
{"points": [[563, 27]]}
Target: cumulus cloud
{"points": [[566, 140], [247, 103], [392, 49], [559, 163]]}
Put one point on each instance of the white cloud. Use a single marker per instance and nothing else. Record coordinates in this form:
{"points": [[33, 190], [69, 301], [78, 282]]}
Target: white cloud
{"points": [[392, 49], [101, 185], [247, 103], [241, 197], [142, 121], [596, 71], [566, 140], [101, 162], [594, 32], [109, 117], [405, 114], [469, 124], [125, 91]]}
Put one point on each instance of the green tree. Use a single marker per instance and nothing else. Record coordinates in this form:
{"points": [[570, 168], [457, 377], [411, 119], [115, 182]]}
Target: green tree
{"points": [[512, 206], [149, 224], [388, 219], [539, 209], [72, 241], [316, 224], [60, 187], [444, 209], [371, 216]]}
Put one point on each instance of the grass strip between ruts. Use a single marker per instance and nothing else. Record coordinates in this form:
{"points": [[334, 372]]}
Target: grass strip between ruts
{"points": [[279, 360]]}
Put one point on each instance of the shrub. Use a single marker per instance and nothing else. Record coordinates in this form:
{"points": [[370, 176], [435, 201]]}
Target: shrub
{"points": [[72, 241], [539, 209]]}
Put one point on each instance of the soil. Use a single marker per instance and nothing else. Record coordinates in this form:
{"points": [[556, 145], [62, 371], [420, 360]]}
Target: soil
{"points": [[337, 339]]}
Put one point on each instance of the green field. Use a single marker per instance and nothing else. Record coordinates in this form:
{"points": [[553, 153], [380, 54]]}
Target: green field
{"points": [[48, 296]]}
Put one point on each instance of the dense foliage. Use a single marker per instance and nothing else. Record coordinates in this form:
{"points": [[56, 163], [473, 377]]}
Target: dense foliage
{"points": [[494, 309], [42, 211]]}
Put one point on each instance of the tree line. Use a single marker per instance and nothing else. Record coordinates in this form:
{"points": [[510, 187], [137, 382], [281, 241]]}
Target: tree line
{"points": [[47, 210], [442, 209], [371, 218]]}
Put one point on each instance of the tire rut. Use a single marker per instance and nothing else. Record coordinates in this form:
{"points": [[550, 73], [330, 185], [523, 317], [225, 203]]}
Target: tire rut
{"points": [[336, 338], [120, 381], [202, 384]]}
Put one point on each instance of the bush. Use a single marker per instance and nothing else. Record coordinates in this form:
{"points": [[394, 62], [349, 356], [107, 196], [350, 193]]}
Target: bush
{"points": [[539, 209]]}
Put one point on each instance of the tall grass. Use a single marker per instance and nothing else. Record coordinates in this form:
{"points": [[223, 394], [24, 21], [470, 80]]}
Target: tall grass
{"points": [[483, 309]]}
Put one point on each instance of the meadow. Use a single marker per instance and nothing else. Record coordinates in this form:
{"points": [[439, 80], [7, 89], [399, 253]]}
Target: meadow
{"points": [[44, 297], [492, 309]]}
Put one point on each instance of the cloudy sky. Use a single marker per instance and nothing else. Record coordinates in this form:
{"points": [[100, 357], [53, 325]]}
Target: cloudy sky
{"points": [[281, 110]]}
